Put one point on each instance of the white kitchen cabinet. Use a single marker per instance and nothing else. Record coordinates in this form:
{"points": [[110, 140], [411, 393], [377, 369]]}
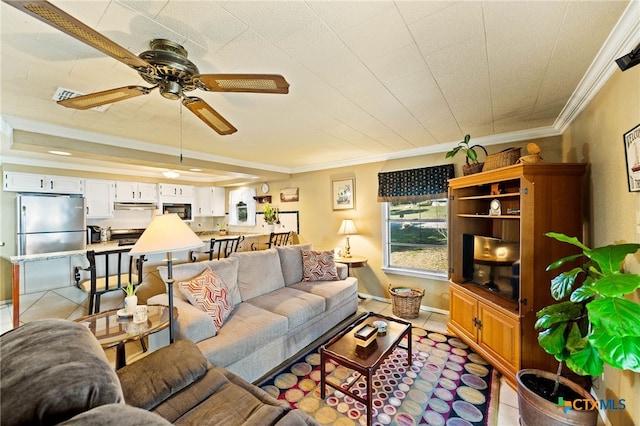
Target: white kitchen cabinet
{"points": [[209, 201], [170, 190], [31, 182], [135, 191], [99, 196]]}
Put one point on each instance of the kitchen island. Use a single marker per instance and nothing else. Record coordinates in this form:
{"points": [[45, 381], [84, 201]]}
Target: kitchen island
{"points": [[48, 271]]}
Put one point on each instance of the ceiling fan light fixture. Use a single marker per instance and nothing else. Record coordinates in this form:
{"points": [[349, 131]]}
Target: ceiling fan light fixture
{"points": [[170, 90]]}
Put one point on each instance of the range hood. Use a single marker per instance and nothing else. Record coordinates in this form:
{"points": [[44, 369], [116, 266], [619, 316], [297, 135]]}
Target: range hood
{"points": [[134, 206]]}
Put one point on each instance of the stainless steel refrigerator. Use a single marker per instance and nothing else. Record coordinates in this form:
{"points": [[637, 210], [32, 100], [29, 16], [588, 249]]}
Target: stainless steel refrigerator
{"points": [[50, 223]]}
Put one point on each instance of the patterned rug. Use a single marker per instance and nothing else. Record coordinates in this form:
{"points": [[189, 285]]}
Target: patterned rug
{"points": [[448, 384]]}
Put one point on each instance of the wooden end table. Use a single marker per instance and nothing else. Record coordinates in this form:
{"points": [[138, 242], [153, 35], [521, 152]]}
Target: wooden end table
{"points": [[343, 350], [352, 262], [113, 330]]}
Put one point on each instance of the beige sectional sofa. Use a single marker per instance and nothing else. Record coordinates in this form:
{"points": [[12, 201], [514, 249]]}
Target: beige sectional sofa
{"points": [[275, 315]]}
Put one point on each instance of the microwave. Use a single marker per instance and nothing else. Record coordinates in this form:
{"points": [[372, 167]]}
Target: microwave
{"points": [[183, 210]]}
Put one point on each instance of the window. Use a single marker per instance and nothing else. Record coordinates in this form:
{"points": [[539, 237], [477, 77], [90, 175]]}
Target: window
{"points": [[416, 237]]}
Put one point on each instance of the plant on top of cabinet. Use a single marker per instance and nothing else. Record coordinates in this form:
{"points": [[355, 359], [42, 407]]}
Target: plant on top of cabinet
{"points": [[471, 156]]}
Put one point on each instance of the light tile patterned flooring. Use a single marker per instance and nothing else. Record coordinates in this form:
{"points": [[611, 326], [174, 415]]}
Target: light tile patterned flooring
{"points": [[70, 304]]}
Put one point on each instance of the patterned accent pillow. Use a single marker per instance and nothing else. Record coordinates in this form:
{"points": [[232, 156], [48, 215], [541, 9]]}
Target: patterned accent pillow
{"points": [[318, 266], [208, 292]]}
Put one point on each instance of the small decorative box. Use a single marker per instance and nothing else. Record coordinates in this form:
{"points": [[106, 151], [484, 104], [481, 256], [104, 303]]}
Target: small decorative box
{"points": [[365, 335]]}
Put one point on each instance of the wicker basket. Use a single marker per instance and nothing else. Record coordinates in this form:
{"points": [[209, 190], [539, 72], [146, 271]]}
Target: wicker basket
{"points": [[406, 301], [504, 158]]}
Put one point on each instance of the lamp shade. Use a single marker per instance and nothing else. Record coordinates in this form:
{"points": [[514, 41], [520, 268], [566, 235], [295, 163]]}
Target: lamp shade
{"points": [[166, 233], [347, 228]]}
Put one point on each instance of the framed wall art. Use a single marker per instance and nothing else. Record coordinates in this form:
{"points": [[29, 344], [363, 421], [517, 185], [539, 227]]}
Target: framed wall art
{"points": [[632, 152], [289, 194], [343, 193]]}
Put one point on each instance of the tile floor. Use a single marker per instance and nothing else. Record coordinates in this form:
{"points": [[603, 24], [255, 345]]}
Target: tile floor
{"points": [[71, 303]]}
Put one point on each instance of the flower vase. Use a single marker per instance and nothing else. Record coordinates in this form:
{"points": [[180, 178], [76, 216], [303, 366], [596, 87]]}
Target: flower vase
{"points": [[130, 303], [269, 228]]}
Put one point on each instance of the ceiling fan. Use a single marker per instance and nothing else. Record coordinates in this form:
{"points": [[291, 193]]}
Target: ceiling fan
{"points": [[165, 66]]}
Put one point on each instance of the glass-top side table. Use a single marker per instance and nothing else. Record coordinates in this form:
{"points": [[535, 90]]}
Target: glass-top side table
{"points": [[113, 330]]}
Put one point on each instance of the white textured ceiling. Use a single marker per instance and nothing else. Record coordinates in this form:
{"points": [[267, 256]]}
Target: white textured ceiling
{"points": [[369, 79]]}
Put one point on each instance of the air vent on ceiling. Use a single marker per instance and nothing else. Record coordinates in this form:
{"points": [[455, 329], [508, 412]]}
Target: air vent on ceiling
{"points": [[63, 94]]}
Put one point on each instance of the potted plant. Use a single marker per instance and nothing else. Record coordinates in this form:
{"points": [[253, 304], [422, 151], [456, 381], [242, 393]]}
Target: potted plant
{"points": [[596, 325], [471, 156], [222, 230], [130, 298], [270, 217]]}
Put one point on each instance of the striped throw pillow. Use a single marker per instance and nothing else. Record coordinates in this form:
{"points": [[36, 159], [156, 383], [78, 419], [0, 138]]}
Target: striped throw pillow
{"points": [[208, 292]]}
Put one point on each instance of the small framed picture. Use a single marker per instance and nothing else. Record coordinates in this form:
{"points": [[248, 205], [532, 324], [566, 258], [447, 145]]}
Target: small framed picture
{"points": [[289, 194], [632, 151], [343, 193]]}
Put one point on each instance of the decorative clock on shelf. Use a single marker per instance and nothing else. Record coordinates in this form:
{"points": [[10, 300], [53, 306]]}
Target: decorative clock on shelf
{"points": [[495, 209]]}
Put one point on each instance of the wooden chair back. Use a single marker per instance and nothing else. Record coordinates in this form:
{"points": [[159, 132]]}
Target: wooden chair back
{"points": [[109, 270]]}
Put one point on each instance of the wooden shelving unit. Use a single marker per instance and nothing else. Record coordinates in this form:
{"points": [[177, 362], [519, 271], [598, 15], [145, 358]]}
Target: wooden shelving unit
{"points": [[544, 197]]}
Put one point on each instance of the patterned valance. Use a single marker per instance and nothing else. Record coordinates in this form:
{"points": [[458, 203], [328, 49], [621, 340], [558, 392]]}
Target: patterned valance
{"points": [[415, 184]]}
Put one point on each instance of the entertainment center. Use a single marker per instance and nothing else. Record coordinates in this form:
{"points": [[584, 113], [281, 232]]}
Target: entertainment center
{"points": [[498, 253]]}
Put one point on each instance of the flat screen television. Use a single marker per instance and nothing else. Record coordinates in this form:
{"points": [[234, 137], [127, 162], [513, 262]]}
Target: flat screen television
{"points": [[492, 263]]}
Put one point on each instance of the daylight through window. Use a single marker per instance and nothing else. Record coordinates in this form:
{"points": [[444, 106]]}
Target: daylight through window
{"points": [[416, 236]]}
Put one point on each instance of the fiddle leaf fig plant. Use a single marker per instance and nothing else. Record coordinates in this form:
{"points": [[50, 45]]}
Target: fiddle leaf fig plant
{"points": [[464, 146], [597, 325]]}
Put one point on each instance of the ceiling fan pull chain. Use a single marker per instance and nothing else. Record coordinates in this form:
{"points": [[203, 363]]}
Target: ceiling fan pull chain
{"points": [[180, 132]]}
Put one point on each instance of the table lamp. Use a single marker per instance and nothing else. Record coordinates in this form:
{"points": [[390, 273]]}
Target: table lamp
{"points": [[347, 228], [167, 233]]}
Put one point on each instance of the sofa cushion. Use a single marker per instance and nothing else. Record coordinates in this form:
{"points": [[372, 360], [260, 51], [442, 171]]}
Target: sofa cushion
{"points": [[247, 329], [298, 306], [232, 405], [227, 269], [291, 262], [181, 364], [208, 292], [259, 272], [334, 292], [318, 266], [53, 370], [116, 414]]}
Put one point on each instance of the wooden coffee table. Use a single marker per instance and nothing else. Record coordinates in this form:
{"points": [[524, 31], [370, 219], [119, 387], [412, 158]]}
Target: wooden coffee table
{"points": [[342, 349], [113, 330]]}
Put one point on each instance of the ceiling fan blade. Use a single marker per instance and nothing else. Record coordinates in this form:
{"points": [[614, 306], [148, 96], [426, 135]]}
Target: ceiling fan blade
{"points": [[106, 97], [209, 115], [252, 83], [57, 18]]}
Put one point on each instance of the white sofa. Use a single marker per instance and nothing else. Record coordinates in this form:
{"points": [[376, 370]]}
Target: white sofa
{"points": [[276, 314]]}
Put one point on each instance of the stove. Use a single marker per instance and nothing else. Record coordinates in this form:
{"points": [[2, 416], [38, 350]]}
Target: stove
{"points": [[126, 237]]}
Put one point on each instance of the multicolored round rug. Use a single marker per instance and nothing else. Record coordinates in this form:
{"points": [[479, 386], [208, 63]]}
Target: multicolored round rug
{"points": [[448, 384]]}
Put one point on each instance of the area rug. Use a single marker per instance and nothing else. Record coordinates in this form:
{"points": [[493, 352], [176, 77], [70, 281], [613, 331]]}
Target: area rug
{"points": [[447, 384]]}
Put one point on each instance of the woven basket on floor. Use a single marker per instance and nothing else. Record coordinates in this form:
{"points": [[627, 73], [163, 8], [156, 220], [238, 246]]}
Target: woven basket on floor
{"points": [[504, 158], [406, 301]]}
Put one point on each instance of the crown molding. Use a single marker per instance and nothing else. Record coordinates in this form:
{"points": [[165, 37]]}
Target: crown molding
{"points": [[624, 37]]}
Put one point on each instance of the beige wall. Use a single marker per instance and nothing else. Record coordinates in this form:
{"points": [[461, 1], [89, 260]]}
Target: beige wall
{"points": [[596, 137]]}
